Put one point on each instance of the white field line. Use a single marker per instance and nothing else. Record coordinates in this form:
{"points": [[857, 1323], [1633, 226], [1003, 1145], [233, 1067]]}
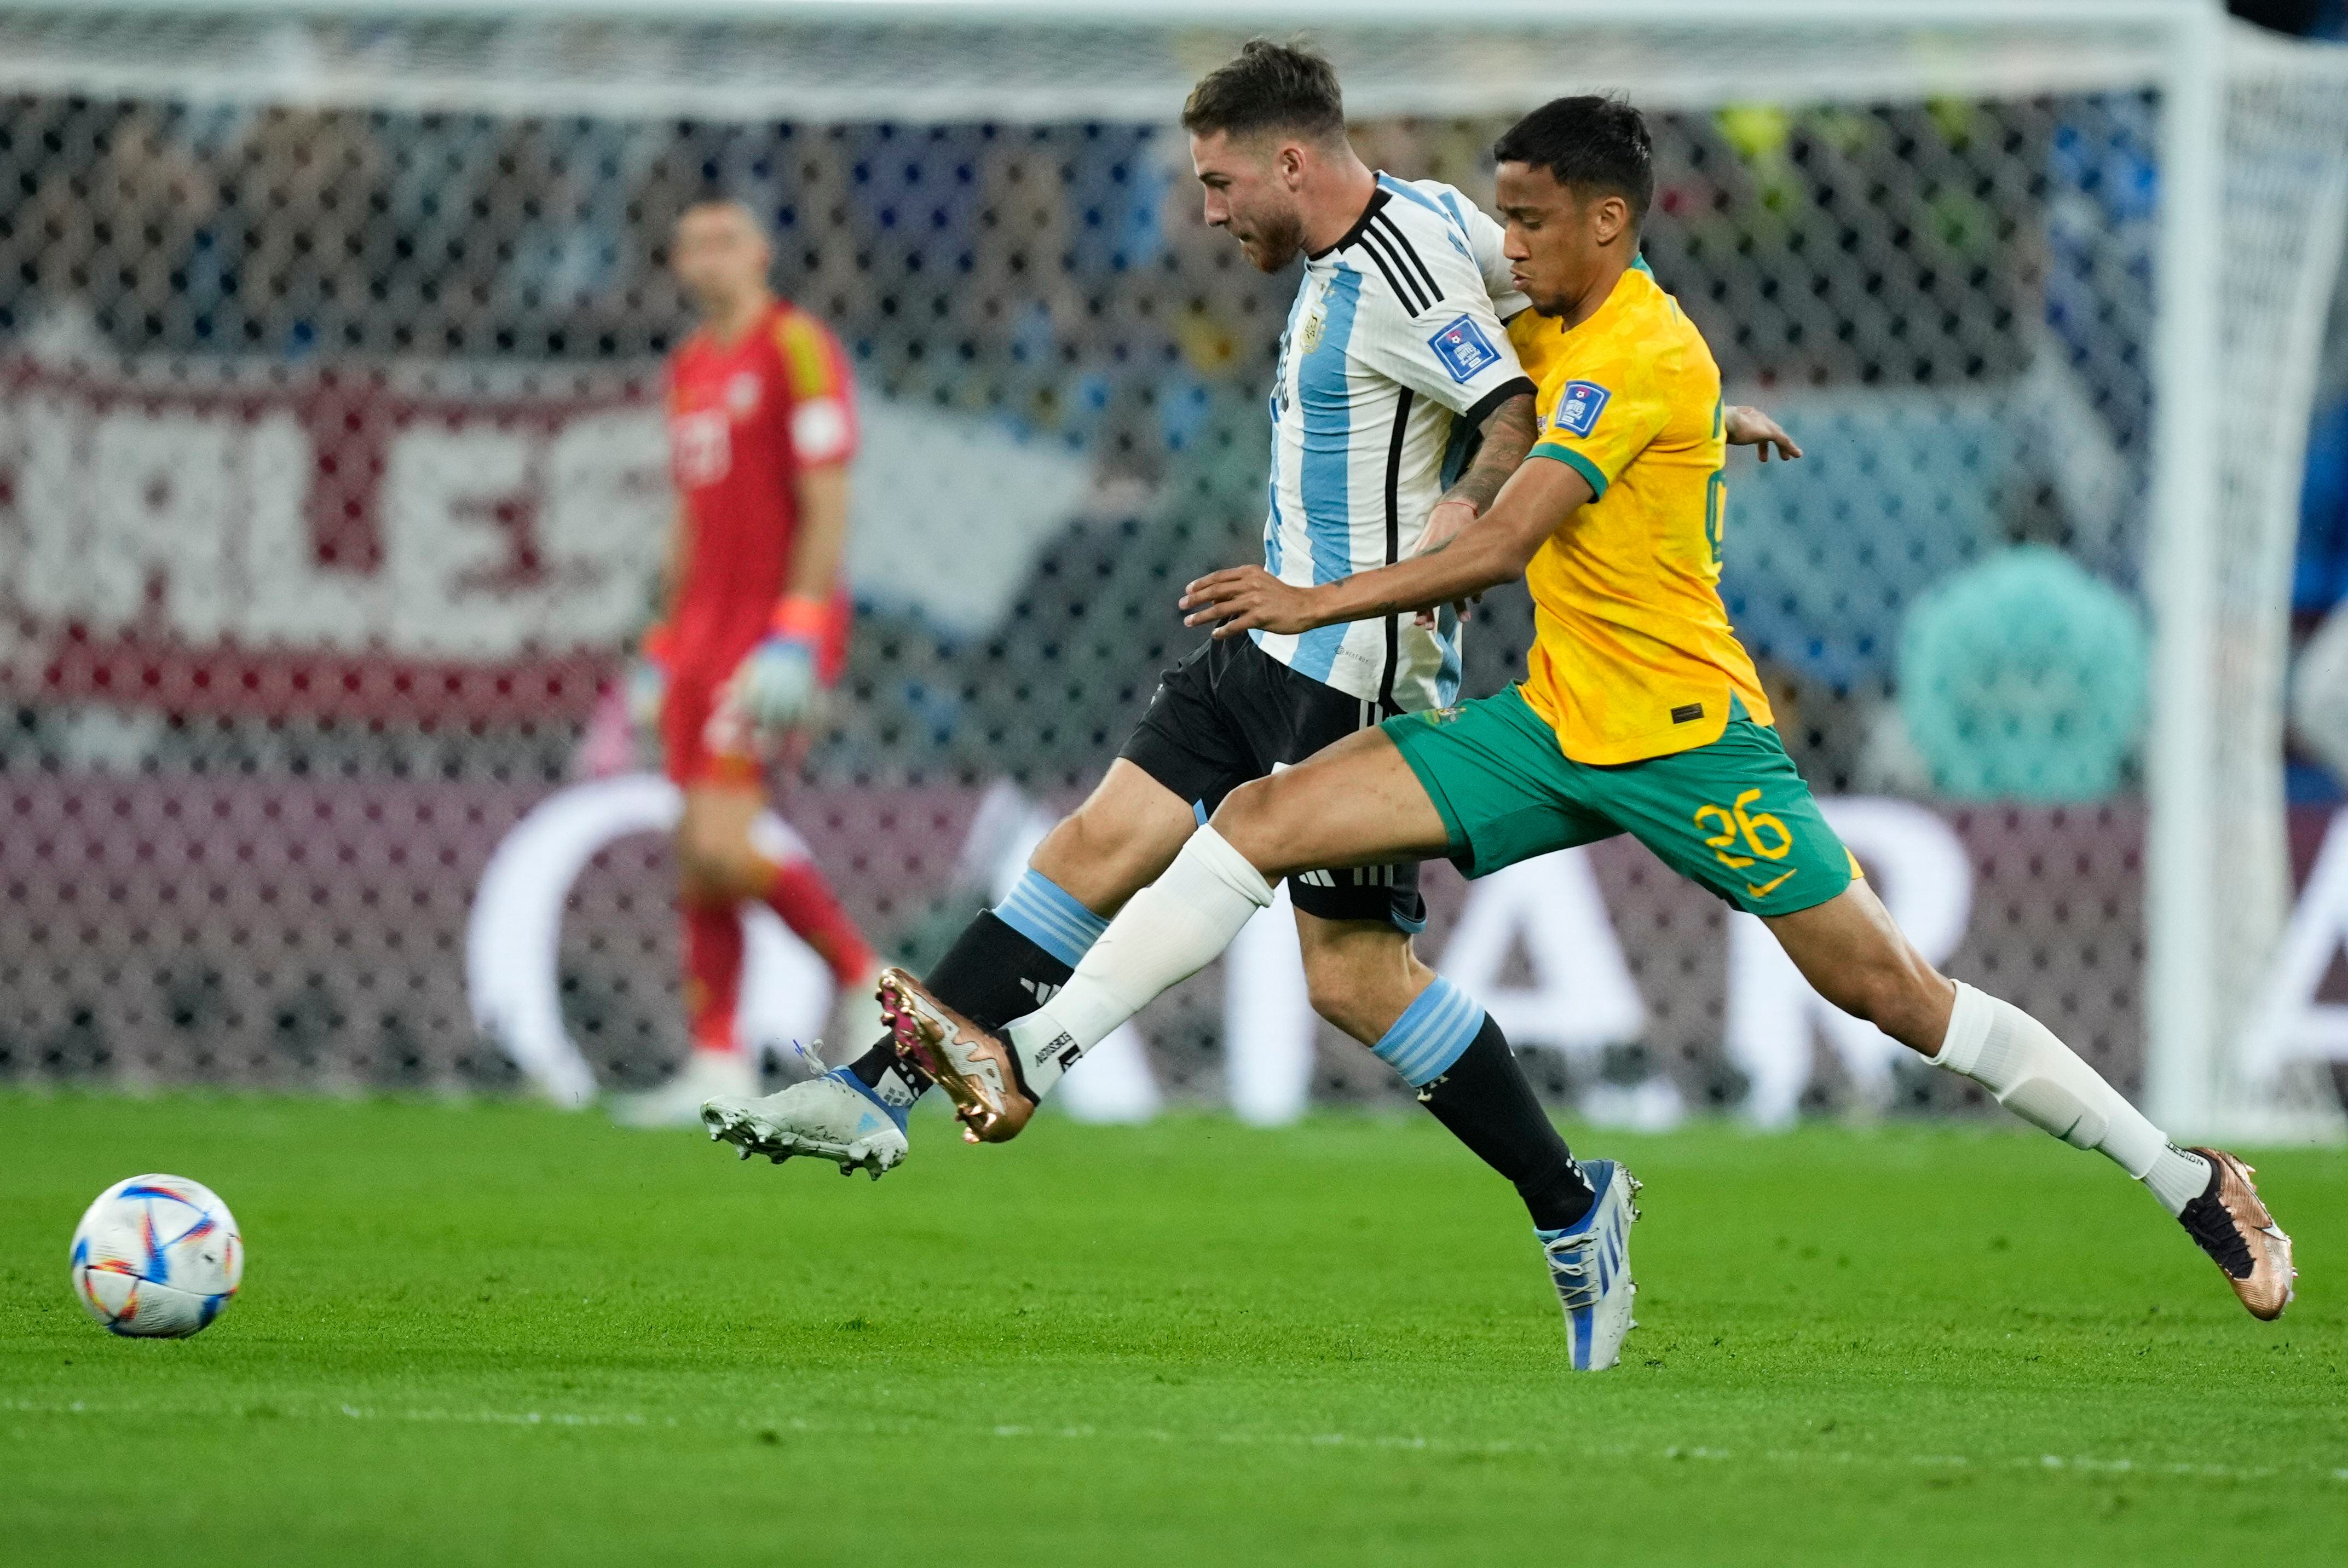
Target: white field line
{"points": [[799, 1426]]}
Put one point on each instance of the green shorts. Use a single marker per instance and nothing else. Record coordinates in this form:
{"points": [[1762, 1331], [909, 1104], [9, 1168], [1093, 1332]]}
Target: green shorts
{"points": [[1733, 816]]}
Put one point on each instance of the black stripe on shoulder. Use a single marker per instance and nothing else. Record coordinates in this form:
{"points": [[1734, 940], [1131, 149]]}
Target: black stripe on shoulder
{"points": [[1397, 283], [1412, 290], [1385, 225]]}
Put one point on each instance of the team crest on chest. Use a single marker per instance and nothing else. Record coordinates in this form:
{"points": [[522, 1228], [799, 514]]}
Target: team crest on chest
{"points": [[742, 393], [1315, 323]]}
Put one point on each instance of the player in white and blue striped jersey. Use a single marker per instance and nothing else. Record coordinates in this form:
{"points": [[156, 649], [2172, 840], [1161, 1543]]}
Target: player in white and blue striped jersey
{"points": [[1394, 358]]}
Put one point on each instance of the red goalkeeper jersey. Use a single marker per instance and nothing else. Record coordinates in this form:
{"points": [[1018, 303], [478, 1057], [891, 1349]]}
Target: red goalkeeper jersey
{"points": [[744, 418]]}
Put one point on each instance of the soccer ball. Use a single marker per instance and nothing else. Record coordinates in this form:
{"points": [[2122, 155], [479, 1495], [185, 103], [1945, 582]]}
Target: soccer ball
{"points": [[157, 1257]]}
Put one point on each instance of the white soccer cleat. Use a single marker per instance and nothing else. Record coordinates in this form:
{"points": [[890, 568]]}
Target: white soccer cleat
{"points": [[834, 1116], [1590, 1263], [678, 1103]]}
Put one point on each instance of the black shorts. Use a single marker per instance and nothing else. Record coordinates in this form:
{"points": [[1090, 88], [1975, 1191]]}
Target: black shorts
{"points": [[1231, 713]]}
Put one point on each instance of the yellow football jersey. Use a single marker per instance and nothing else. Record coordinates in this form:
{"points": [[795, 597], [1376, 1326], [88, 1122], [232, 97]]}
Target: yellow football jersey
{"points": [[1634, 656]]}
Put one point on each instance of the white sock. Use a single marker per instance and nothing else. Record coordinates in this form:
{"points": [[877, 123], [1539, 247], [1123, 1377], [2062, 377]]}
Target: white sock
{"points": [[1167, 933], [2042, 1080]]}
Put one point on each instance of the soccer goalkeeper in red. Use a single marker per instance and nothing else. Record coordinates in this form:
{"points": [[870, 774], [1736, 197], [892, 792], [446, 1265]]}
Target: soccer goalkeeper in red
{"points": [[762, 424]]}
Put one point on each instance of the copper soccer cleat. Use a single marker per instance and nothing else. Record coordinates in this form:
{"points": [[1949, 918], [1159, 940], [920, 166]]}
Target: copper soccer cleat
{"points": [[975, 1068], [2236, 1229]]}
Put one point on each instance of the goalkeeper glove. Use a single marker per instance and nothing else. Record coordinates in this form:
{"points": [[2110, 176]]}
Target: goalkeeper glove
{"points": [[776, 688]]}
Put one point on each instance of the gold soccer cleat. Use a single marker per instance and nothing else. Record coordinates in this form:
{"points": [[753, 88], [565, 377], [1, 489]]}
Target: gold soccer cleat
{"points": [[2235, 1229], [976, 1070]]}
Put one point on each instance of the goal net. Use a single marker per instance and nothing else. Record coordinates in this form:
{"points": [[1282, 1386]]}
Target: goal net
{"points": [[332, 483]]}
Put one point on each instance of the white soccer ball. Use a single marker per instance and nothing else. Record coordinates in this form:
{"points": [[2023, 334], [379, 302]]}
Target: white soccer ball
{"points": [[157, 1257]]}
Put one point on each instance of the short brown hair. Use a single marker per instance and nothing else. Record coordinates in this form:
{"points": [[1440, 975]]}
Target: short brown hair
{"points": [[1270, 87]]}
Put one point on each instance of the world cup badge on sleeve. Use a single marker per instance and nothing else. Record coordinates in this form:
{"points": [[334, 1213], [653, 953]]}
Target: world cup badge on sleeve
{"points": [[1578, 407], [1464, 349]]}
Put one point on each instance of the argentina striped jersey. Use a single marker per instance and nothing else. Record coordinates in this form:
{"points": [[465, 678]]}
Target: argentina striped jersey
{"points": [[1392, 357]]}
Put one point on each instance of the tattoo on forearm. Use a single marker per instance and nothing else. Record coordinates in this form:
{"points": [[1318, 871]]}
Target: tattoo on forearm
{"points": [[1508, 437]]}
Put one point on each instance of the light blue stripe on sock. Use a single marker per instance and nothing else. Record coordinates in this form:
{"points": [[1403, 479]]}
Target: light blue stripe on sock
{"points": [[1431, 1034], [1040, 910]]}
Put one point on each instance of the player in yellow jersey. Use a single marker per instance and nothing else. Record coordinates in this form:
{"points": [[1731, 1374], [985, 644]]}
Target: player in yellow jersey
{"points": [[1639, 714]]}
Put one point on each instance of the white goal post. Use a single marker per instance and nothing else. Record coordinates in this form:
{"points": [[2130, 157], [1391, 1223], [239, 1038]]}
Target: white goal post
{"points": [[2252, 207]]}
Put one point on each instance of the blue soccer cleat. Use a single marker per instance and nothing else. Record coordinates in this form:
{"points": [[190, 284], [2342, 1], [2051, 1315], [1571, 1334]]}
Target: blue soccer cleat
{"points": [[1590, 1263]]}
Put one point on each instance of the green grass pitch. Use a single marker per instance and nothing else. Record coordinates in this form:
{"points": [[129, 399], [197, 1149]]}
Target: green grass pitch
{"points": [[492, 1333]]}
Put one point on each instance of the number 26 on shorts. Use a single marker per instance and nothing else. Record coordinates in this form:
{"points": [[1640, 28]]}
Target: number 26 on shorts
{"points": [[1759, 832]]}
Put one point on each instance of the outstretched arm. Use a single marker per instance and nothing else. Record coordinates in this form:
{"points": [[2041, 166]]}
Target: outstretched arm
{"points": [[1508, 435], [1534, 503]]}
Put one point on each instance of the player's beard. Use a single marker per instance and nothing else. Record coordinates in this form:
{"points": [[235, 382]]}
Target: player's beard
{"points": [[1273, 240]]}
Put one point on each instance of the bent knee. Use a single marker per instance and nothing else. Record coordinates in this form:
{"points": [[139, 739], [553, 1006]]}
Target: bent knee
{"points": [[1250, 820], [1096, 850]]}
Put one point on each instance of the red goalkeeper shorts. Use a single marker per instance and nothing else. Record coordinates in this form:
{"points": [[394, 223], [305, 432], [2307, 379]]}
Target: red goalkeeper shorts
{"points": [[694, 750]]}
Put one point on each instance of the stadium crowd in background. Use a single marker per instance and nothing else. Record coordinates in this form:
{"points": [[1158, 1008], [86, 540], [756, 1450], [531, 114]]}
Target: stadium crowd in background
{"points": [[1108, 327]]}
